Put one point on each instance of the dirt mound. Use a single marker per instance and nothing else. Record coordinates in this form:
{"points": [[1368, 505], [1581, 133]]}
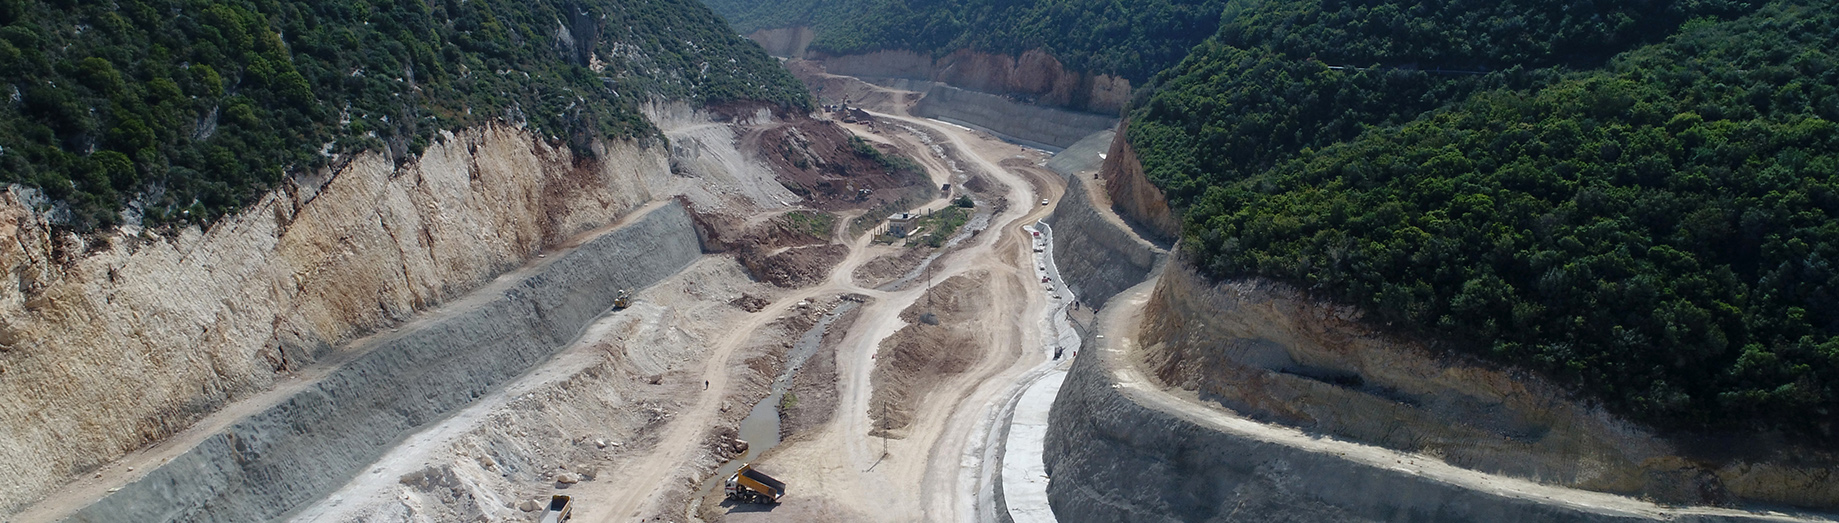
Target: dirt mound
{"points": [[888, 267], [930, 349], [832, 169], [796, 267]]}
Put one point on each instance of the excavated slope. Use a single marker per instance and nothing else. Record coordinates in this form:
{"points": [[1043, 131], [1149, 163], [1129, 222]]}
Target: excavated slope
{"points": [[1035, 75], [1097, 258], [137, 338], [1034, 125], [315, 440]]}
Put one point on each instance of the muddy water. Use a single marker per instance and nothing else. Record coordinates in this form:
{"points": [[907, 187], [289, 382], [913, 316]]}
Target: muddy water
{"points": [[760, 429]]}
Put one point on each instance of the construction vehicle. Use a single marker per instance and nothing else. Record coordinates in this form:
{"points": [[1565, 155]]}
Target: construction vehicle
{"points": [[752, 486], [560, 508], [622, 301]]}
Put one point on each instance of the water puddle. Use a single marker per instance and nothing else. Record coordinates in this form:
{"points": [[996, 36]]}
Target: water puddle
{"points": [[760, 429]]}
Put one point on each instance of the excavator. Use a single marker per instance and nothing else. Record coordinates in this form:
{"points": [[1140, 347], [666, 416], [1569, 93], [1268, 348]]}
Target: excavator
{"points": [[622, 301]]}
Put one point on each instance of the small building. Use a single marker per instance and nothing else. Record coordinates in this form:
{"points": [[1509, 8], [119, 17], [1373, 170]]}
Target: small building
{"points": [[899, 224]]}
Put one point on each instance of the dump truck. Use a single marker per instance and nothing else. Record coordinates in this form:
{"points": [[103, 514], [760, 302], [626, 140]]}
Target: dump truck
{"points": [[560, 508], [752, 486], [623, 300]]}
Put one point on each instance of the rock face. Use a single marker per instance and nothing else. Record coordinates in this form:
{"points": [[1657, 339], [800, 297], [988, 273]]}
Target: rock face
{"points": [[313, 441], [1039, 126], [786, 42], [1098, 258], [1271, 353], [1035, 75], [109, 347], [1115, 459], [1133, 196]]}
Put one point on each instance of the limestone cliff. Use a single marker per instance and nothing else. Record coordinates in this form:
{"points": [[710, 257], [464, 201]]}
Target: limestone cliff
{"points": [[117, 343]]}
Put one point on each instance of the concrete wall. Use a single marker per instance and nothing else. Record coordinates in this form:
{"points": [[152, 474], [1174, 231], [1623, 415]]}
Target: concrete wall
{"points": [[1097, 258], [317, 439], [1035, 125]]}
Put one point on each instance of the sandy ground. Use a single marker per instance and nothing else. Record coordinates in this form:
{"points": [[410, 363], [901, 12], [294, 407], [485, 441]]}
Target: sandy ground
{"points": [[839, 472]]}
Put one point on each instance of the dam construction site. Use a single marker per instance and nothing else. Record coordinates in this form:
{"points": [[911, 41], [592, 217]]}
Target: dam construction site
{"points": [[945, 288]]}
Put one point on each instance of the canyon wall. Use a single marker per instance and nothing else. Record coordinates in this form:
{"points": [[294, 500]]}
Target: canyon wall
{"points": [[315, 440], [110, 344], [1034, 77]]}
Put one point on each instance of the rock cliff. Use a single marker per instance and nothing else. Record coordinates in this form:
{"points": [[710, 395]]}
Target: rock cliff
{"points": [[112, 344], [1133, 196]]}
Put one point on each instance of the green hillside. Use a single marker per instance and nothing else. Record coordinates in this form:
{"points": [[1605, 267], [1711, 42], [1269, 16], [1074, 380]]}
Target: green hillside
{"points": [[1130, 39], [191, 108], [1659, 231]]}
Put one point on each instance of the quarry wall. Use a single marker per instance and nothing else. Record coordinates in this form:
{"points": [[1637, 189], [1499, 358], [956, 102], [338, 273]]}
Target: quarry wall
{"points": [[110, 344], [1035, 76], [1116, 458], [315, 440], [1097, 258], [1133, 196], [1034, 125]]}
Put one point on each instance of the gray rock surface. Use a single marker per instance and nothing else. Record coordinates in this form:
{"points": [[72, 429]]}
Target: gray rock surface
{"points": [[309, 444], [1032, 125], [1098, 258], [1113, 460]]}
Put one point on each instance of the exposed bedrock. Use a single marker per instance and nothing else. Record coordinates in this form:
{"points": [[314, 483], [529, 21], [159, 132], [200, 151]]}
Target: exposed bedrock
{"points": [[1115, 459], [315, 440], [1133, 196], [1270, 352], [1035, 76], [1034, 125], [1098, 258], [115, 344]]}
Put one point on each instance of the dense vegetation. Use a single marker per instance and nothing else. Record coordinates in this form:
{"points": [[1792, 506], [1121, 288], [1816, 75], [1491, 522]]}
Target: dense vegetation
{"points": [[1661, 232], [187, 109], [1130, 39]]}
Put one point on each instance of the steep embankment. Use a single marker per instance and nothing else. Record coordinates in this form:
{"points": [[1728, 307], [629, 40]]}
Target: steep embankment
{"points": [[1034, 125], [313, 441], [1132, 195], [1034, 75], [130, 344], [1122, 449], [1098, 257]]}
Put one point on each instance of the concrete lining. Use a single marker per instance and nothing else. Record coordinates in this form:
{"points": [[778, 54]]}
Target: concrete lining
{"points": [[300, 449]]}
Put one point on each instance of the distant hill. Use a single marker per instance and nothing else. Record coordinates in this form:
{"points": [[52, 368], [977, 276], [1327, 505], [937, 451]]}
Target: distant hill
{"points": [[190, 109], [1657, 229]]}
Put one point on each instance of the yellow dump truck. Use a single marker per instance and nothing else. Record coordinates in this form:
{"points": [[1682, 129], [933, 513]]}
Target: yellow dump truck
{"points": [[560, 508], [752, 486]]}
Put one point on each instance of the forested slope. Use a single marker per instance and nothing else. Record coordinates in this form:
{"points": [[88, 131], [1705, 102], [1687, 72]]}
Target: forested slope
{"points": [[1133, 40], [1658, 230], [190, 108]]}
